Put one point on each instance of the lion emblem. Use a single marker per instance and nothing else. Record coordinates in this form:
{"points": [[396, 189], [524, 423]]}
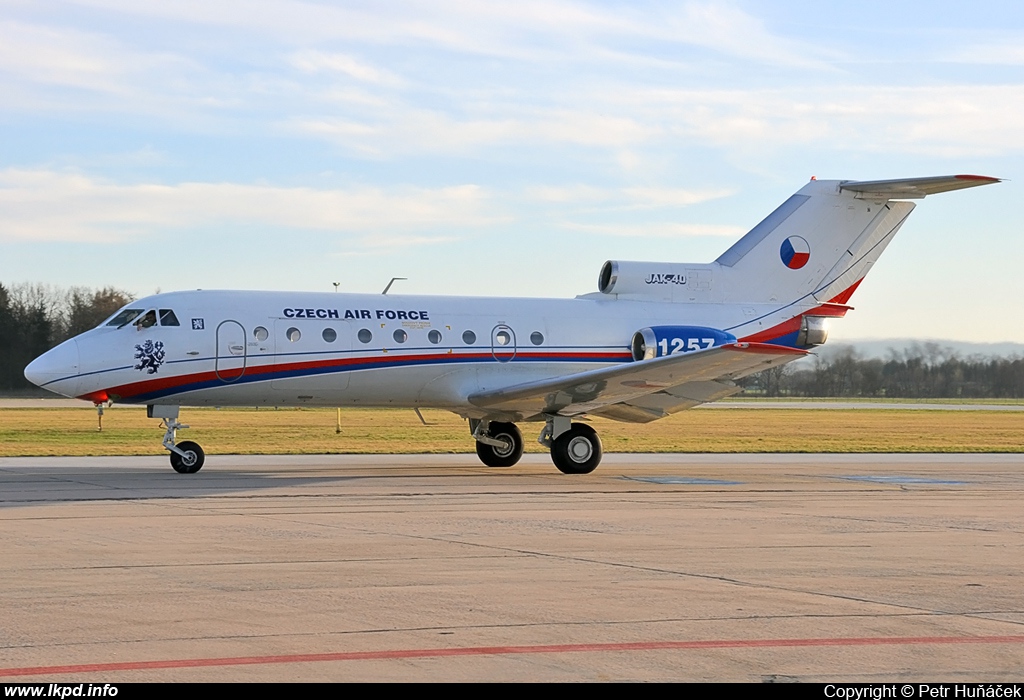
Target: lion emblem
{"points": [[150, 356]]}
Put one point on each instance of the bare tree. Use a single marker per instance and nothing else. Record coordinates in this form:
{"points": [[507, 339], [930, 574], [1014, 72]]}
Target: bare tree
{"points": [[36, 317]]}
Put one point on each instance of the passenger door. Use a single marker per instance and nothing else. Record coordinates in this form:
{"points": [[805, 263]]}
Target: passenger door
{"points": [[503, 343], [232, 354]]}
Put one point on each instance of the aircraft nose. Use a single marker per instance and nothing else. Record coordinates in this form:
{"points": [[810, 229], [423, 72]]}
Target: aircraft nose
{"points": [[57, 369]]}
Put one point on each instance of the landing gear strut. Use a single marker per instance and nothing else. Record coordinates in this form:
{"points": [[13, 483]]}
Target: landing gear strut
{"points": [[187, 457], [497, 444]]}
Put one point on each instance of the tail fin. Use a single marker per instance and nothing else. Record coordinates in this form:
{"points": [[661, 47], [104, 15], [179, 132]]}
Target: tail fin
{"points": [[823, 240]]}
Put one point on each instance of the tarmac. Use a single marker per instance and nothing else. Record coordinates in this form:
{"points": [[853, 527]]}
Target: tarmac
{"points": [[834, 568]]}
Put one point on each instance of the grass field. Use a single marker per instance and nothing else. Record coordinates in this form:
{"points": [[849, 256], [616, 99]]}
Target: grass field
{"points": [[127, 431], [749, 398]]}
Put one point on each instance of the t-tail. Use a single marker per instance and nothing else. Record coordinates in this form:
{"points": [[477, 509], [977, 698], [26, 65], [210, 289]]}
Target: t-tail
{"points": [[824, 239], [805, 258]]}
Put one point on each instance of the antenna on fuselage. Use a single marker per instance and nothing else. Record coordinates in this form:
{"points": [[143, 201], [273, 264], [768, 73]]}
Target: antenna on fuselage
{"points": [[393, 280]]}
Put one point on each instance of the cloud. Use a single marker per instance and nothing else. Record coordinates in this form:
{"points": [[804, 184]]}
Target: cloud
{"points": [[998, 52], [658, 197], [724, 28], [50, 56], [386, 82], [405, 130], [55, 206], [380, 83], [575, 207], [391, 244], [623, 199], [58, 56], [657, 230], [527, 30], [320, 61], [946, 120], [47, 205]]}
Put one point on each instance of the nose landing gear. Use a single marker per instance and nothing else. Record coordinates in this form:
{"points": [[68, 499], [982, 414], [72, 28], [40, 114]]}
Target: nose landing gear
{"points": [[187, 457], [191, 457]]}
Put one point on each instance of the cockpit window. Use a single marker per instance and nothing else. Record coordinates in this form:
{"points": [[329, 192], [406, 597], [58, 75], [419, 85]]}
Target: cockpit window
{"points": [[167, 318], [124, 318], [146, 320]]}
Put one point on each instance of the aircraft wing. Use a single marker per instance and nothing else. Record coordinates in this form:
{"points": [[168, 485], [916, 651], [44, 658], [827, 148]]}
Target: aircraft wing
{"points": [[639, 392], [914, 188]]}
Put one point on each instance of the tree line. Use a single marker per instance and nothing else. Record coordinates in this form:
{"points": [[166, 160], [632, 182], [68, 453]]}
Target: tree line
{"points": [[922, 371], [36, 317]]}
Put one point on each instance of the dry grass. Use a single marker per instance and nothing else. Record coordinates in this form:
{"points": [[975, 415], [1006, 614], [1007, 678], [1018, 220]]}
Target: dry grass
{"points": [[127, 431]]}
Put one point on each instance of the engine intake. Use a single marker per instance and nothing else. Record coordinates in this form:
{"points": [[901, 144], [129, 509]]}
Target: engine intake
{"points": [[655, 280], [658, 341]]}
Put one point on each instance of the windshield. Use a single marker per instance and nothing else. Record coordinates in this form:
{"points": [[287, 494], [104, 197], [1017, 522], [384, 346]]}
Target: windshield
{"points": [[167, 318], [124, 318]]}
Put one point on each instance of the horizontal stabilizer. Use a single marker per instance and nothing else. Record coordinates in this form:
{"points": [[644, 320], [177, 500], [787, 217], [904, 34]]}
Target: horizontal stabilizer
{"points": [[915, 187]]}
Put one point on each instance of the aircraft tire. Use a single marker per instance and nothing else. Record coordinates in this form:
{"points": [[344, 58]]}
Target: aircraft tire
{"points": [[190, 464], [501, 456], [577, 450]]}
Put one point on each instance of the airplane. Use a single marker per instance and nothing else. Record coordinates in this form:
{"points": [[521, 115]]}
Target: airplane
{"points": [[655, 339]]}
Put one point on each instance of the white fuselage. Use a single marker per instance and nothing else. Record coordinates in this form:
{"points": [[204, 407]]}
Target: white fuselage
{"points": [[235, 348]]}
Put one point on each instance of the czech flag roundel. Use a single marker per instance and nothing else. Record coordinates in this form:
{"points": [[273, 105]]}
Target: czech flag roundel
{"points": [[795, 252]]}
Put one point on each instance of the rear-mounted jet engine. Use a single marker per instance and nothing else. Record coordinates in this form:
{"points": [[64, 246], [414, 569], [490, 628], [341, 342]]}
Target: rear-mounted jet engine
{"points": [[659, 341]]}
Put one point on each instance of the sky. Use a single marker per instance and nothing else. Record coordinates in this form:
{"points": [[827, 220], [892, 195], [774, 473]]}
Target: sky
{"points": [[503, 149]]}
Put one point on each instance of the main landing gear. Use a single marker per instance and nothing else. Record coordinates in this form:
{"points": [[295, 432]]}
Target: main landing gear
{"points": [[575, 447], [187, 457], [497, 444]]}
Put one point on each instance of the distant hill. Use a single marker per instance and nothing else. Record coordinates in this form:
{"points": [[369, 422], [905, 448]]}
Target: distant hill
{"points": [[883, 348], [900, 368]]}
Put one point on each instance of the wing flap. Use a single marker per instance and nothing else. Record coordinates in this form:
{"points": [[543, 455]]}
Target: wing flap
{"points": [[625, 413], [640, 391], [664, 403]]}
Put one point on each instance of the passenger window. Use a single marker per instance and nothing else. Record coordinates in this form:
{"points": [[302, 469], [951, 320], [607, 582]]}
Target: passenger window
{"points": [[293, 335], [469, 337], [147, 320], [537, 338], [401, 336], [365, 336], [260, 333], [124, 318], [434, 336], [167, 318], [330, 335]]}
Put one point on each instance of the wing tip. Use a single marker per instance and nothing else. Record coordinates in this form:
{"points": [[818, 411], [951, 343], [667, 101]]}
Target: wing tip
{"points": [[980, 179]]}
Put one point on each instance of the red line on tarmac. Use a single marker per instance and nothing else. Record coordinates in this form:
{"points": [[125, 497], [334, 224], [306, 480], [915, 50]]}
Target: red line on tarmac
{"points": [[493, 651]]}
